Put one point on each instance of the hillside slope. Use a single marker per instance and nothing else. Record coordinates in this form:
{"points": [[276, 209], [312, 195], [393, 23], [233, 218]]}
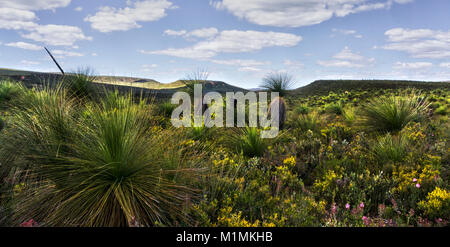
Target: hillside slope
{"points": [[124, 84], [326, 86]]}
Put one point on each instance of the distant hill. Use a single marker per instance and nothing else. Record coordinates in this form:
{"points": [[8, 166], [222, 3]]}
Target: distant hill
{"points": [[217, 86], [326, 86], [165, 90], [124, 84]]}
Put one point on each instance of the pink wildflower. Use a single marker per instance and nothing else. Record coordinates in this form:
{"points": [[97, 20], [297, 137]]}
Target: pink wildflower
{"points": [[333, 209], [29, 223], [414, 179], [347, 206], [417, 185], [365, 220], [361, 205]]}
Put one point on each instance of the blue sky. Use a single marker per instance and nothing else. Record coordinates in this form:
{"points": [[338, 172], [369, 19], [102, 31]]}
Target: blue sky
{"points": [[236, 41]]}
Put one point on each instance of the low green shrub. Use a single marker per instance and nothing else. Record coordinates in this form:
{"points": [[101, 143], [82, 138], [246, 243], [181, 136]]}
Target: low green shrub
{"points": [[390, 114], [334, 108], [310, 121], [99, 168], [9, 91], [80, 83], [249, 141], [390, 148]]}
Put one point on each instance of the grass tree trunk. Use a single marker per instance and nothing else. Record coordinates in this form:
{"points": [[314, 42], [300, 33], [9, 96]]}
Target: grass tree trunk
{"points": [[281, 83], [281, 104]]}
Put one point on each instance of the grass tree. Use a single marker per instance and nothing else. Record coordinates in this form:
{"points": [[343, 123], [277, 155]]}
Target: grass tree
{"points": [[249, 141], [280, 83], [80, 83], [200, 76], [391, 114], [94, 164], [9, 91]]}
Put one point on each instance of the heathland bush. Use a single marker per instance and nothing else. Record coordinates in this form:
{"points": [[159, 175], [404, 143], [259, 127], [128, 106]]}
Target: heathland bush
{"points": [[278, 82], [9, 91], [390, 148], [81, 83], [305, 122], [250, 142], [388, 114], [95, 166], [116, 160]]}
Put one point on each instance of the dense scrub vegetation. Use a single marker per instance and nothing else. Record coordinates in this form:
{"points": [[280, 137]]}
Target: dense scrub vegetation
{"points": [[350, 158]]}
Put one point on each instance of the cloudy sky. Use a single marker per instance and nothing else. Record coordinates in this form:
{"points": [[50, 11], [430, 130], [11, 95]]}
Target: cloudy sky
{"points": [[236, 41]]}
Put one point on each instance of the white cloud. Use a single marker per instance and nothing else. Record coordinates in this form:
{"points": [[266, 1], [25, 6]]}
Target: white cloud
{"points": [[346, 32], [347, 54], [183, 53], [63, 54], [17, 19], [24, 45], [402, 35], [346, 58], [232, 41], [19, 15], [419, 43], [110, 19], [198, 33], [403, 1], [79, 8], [34, 4], [445, 65], [297, 13], [203, 33], [58, 35], [174, 32], [249, 69], [415, 65], [27, 62], [148, 67], [293, 64], [340, 63], [239, 62]]}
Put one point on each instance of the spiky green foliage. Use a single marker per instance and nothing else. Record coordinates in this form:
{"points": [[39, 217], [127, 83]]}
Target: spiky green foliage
{"points": [[335, 108], [166, 108], [391, 114], [9, 91], [198, 132], [302, 109], [100, 167], [42, 122], [249, 142], [80, 83], [278, 82], [200, 76], [442, 110], [2, 123], [305, 122], [390, 148], [349, 115]]}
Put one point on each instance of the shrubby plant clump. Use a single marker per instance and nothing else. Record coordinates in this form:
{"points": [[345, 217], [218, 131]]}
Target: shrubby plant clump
{"points": [[72, 157]]}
